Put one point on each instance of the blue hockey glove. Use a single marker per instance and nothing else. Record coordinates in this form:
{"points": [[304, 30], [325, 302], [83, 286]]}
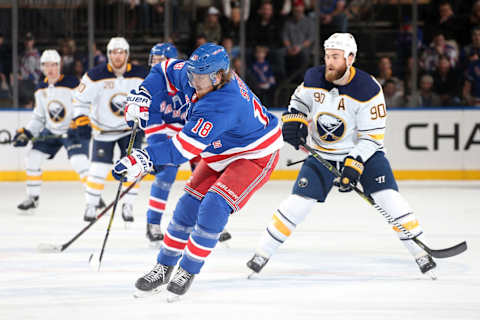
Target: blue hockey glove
{"points": [[80, 128], [295, 128], [21, 138], [137, 107], [352, 170], [132, 166]]}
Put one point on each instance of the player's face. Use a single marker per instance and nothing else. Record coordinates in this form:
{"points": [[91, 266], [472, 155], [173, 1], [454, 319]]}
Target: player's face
{"points": [[51, 70], [335, 64], [118, 58], [200, 82], [156, 59]]}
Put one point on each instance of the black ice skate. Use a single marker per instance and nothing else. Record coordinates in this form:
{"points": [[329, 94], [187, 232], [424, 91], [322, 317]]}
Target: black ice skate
{"points": [[154, 233], [225, 236], [182, 280], [150, 283], [127, 212], [28, 206], [426, 265], [257, 263]]}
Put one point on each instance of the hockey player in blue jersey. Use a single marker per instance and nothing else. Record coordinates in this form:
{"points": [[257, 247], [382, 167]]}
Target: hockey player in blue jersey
{"points": [[342, 110], [238, 141]]}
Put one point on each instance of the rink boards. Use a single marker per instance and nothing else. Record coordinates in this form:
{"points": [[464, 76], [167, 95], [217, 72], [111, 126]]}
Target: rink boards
{"points": [[422, 144]]}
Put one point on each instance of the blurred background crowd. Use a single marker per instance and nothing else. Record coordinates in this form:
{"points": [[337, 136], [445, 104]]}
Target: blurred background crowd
{"points": [[271, 42]]}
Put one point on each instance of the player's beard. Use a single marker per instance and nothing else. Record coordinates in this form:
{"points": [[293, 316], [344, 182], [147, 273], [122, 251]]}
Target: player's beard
{"points": [[333, 75]]}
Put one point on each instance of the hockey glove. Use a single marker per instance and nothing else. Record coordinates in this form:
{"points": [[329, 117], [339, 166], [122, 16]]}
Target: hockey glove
{"points": [[21, 138], [352, 170], [80, 128], [295, 128], [137, 107], [132, 166]]}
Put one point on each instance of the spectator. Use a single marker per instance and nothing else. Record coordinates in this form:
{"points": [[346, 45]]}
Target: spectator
{"points": [[29, 72], [471, 87], [78, 69], [264, 78], [5, 57], [238, 68], [68, 53], [471, 52], [264, 30], [332, 16], [473, 19], [298, 36], [446, 83], [439, 47], [231, 29], [385, 73], [232, 51], [228, 6], [426, 97], [446, 23], [200, 39], [404, 42], [211, 26], [393, 98]]}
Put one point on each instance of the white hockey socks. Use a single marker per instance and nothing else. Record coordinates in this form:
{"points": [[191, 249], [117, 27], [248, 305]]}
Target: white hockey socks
{"points": [[291, 212], [96, 181], [33, 164], [395, 205], [80, 164]]}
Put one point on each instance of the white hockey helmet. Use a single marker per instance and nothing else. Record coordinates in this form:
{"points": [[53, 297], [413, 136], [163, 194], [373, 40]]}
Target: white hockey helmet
{"points": [[118, 43], [342, 41], [50, 55]]}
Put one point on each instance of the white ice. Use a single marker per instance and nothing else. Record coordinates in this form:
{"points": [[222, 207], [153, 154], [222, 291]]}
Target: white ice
{"points": [[343, 262]]}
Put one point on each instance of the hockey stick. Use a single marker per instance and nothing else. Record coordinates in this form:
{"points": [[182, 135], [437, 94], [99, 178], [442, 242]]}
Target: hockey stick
{"points": [[292, 163], [47, 247], [439, 253], [117, 197]]}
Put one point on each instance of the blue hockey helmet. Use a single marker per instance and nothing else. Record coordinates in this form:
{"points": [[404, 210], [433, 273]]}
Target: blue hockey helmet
{"points": [[167, 50], [209, 58]]}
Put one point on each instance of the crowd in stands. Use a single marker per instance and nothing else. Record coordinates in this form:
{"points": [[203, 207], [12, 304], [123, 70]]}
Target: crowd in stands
{"points": [[280, 37]]}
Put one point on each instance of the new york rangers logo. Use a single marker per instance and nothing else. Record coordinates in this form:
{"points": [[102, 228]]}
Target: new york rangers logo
{"points": [[330, 127]]}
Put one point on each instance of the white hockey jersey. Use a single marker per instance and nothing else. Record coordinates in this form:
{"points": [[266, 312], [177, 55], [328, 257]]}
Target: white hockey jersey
{"points": [[101, 95], [53, 106], [343, 120]]}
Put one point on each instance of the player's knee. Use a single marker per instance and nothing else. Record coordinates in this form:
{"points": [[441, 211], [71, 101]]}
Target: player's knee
{"points": [[185, 212], [213, 213], [35, 159], [295, 208]]}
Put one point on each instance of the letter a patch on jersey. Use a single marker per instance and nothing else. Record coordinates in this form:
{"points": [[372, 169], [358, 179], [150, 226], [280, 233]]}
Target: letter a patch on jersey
{"points": [[341, 105]]}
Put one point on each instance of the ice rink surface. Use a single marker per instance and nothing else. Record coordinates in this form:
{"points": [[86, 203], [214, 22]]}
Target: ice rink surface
{"points": [[343, 262]]}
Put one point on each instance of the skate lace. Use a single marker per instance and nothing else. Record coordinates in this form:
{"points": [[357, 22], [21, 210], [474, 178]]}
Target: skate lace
{"points": [[259, 260], [155, 229], [181, 277], [127, 210], [157, 273], [423, 261]]}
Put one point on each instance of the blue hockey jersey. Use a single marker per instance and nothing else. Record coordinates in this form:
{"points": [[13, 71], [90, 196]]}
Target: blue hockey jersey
{"points": [[225, 125]]}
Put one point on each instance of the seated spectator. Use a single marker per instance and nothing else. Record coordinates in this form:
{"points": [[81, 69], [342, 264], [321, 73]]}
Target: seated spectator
{"points": [[4, 90], [200, 39], [404, 42], [332, 16], [78, 70], [393, 98], [447, 24], [211, 26], [240, 69], [471, 87], [228, 6], [473, 19], [5, 57], [231, 28], [385, 73], [446, 83], [298, 36], [471, 52], [426, 97], [265, 80], [439, 47], [232, 51], [29, 72]]}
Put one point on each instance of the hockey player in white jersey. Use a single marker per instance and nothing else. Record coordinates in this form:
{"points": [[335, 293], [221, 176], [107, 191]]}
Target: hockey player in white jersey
{"points": [[99, 105], [49, 124], [342, 110]]}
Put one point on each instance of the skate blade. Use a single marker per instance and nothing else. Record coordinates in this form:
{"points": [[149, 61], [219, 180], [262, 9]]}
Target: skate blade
{"points": [[48, 248], [138, 294], [252, 276], [431, 274], [128, 225], [225, 245], [155, 244], [29, 212]]}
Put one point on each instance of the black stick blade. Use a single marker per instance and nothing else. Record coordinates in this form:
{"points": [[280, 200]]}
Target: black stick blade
{"points": [[443, 253]]}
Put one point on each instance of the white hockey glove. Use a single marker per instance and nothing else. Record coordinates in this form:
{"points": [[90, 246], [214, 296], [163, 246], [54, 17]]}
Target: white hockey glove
{"points": [[132, 166], [137, 107]]}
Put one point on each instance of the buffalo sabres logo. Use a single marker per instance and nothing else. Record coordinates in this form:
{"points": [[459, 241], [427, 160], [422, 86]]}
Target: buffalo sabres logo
{"points": [[330, 127], [56, 111], [117, 104]]}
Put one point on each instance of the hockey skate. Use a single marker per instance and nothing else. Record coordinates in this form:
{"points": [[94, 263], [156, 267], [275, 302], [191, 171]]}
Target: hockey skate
{"points": [[154, 234], [28, 206], [256, 264], [150, 283], [426, 265], [127, 212], [101, 204], [182, 280], [90, 213], [225, 236]]}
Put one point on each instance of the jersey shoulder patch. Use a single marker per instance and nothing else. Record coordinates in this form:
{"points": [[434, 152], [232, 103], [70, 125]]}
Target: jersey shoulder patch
{"points": [[100, 72], [363, 87], [68, 81]]}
